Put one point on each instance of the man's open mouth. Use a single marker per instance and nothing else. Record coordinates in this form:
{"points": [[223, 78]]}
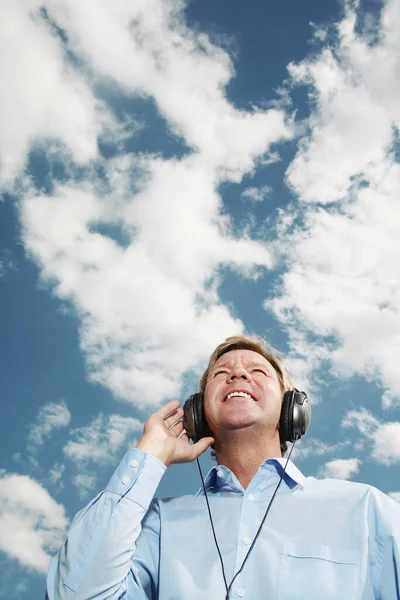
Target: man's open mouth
{"points": [[238, 393]]}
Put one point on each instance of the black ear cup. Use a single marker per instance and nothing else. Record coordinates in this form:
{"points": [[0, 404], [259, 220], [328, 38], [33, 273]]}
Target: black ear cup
{"points": [[295, 416], [286, 420], [194, 419], [294, 421]]}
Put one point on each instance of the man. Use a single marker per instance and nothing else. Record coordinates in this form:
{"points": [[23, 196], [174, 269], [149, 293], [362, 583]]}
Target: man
{"points": [[321, 539]]}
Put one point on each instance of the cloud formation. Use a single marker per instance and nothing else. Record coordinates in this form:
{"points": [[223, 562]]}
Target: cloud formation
{"points": [[50, 416], [313, 447], [255, 194], [32, 524], [383, 438], [340, 287], [149, 308], [58, 105], [340, 468], [101, 439], [100, 443]]}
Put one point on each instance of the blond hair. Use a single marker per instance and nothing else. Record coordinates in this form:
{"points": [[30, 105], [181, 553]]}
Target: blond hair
{"points": [[255, 344]]}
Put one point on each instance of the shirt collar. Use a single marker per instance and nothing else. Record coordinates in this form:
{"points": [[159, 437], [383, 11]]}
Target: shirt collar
{"points": [[292, 472]]}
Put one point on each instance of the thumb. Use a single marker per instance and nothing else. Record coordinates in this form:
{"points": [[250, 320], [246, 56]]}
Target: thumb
{"points": [[201, 446]]}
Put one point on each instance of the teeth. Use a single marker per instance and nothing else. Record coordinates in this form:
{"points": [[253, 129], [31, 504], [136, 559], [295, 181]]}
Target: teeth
{"points": [[243, 394]]}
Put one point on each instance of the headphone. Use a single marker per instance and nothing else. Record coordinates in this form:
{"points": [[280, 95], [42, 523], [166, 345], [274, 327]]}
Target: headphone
{"points": [[293, 424]]}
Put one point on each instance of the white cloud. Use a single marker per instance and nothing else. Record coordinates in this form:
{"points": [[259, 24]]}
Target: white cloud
{"points": [[386, 448], [99, 444], [32, 524], [362, 420], [257, 194], [354, 84], [56, 473], [50, 416], [41, 96], [341, 280], [101, 440], [340, 468], [148, 48], [311, 447], [6, 262], [85, 483], [150, 310], [384, 438]]}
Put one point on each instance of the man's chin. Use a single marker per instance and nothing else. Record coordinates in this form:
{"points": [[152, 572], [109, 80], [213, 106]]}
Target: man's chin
{"points": [[238, 425]]}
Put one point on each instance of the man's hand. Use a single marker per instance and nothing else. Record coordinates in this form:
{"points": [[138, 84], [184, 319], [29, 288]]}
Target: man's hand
{"points": [[162, 437]]}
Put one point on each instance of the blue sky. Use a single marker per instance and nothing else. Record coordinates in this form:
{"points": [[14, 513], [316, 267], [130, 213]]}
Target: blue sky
{"points": [[173, 173]]}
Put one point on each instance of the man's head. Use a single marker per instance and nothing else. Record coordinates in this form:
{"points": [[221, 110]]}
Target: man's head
{"points": [[244, 364]]}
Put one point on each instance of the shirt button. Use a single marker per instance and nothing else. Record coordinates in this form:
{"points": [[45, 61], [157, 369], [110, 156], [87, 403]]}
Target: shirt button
{"points": [[219, 473], [251, 497], [241, 592], [125, 480], [133, 464], [247, 540]]}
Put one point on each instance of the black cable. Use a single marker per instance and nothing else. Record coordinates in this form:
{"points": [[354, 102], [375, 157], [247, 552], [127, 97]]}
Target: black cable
{"points": [[228, 588], [213, 530]]}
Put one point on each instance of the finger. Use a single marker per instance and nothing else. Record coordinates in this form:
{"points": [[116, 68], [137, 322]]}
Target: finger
{"points": [[174, 418], [177, 430], [174, 424], [201, 446], [166, 410]]}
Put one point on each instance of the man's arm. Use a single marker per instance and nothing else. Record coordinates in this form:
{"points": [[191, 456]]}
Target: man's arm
{"points": [[96, 558], [97, 561]]}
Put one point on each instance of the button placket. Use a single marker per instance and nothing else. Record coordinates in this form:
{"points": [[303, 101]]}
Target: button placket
{"points": [[247, 527]]}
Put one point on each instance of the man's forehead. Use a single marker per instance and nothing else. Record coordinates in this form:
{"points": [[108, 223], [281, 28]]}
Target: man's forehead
{"points": [[248, 357]]}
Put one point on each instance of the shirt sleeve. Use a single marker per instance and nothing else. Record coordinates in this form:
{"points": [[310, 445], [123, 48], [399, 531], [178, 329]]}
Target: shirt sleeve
{"points": [[96, 559], [386, 526]]}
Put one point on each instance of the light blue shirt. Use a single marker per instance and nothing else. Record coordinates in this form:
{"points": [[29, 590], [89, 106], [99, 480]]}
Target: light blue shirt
{"points": [[322, 539]]}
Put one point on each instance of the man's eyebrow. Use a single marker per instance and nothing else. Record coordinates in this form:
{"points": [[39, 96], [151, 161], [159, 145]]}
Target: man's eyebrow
{"points": [[254, 363], [223, 365], [265, 366]]}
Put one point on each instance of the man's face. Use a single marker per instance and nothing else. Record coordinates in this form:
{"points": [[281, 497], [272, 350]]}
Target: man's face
{"points": [[242, 390]]}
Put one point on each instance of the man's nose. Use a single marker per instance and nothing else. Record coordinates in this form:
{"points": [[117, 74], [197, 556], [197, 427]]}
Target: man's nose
{"points": [[238, 372]]}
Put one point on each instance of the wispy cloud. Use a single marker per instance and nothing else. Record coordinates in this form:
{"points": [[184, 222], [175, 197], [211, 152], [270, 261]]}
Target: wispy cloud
{"points": [[54, 477], [312, 447], [99, 441], [32, 524], [340, 289], [85, 483], [6, 262], [61, 105], [149, 308], [384, 438], [99, 444], [257, 194], [50, 416], [340, 468]]}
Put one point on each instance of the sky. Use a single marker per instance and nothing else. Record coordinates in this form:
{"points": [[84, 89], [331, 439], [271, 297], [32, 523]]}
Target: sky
{"points": [[173, 173]]}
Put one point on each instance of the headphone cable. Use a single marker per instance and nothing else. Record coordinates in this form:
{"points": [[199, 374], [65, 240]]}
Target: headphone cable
{"points": [[213, 530], [228, 588]]}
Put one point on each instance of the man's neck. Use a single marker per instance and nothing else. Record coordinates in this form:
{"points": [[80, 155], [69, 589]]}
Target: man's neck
{"points": [[244, 456]]}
